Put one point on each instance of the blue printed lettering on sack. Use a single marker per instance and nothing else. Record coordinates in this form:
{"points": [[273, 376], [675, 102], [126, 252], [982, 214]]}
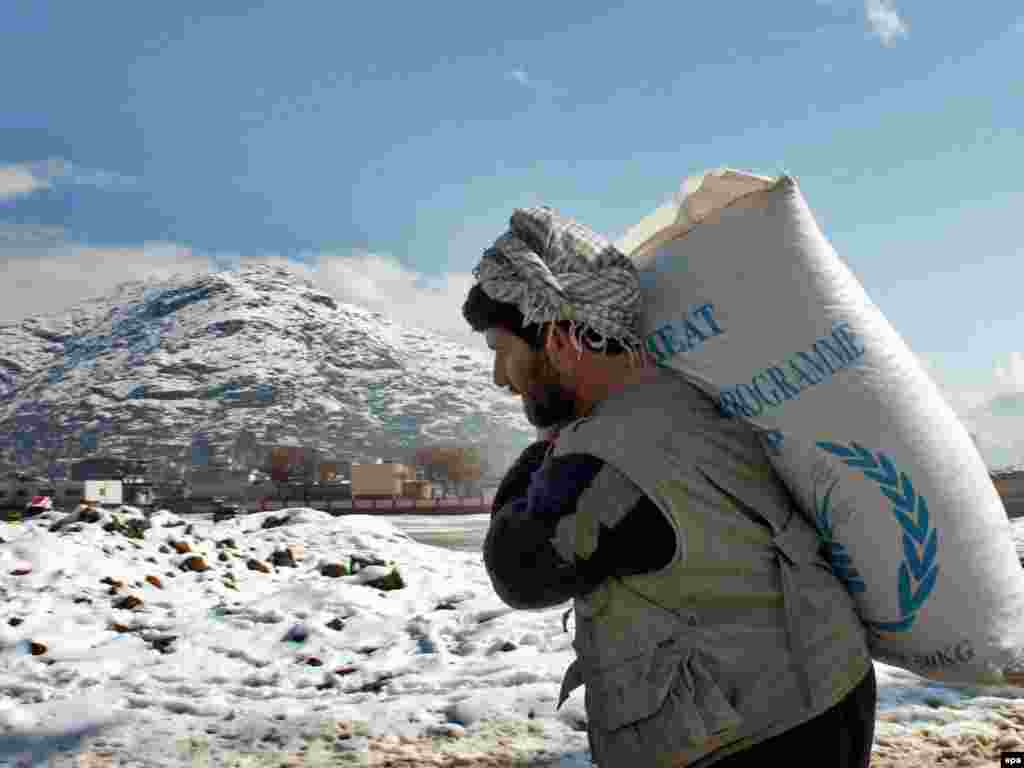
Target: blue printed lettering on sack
{"points": [[772, 386], [696, 327]]}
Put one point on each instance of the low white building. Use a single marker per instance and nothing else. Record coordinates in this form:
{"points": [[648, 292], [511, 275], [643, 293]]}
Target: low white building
{"points": [[18, 489]]}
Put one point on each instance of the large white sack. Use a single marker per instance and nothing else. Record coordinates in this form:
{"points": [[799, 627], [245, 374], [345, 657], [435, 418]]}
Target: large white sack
{"points": [[747, 299]]}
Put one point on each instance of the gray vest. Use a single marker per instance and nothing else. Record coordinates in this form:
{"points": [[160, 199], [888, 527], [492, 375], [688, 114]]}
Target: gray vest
{"points": [[745, 634]]}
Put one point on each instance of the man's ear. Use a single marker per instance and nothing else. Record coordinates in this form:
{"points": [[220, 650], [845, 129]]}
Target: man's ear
{"points": [[558, 347]]}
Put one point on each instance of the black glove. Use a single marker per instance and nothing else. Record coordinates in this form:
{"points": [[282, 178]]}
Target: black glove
{"points": [[517, 479]]}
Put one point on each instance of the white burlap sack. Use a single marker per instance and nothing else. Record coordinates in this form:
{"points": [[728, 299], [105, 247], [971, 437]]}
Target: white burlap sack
{"points": [[747, 299]]}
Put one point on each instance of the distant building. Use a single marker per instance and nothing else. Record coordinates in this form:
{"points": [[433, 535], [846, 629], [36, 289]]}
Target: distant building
{"points": [[380, 480], [18, 488], [207, 483], [334, 471], [417, 489], [286, 461]]}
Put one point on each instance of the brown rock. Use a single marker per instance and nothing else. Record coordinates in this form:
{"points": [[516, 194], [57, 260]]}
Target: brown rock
{"points": [[21, 571], [120, 627], [283, 558], [38, 649], [313, 661], [155, 581], [181, 547], [391, 580], [128, 603], [333, 570], [345, 670], [1009, 743], [89, 515], [298, 551], [195, 563], [257, 565]]}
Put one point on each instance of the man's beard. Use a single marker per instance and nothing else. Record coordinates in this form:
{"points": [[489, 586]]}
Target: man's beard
{"points": [[549, 403]]}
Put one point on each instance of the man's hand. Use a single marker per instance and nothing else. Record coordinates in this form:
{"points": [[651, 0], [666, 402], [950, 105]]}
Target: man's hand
{"points": [[548, 434]]}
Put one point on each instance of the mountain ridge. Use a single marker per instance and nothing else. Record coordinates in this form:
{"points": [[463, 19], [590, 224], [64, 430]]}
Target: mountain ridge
{"points": [[153, 364]]}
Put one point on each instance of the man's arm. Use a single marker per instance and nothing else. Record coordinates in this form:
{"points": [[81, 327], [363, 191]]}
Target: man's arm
{"points": [[539, 496]]}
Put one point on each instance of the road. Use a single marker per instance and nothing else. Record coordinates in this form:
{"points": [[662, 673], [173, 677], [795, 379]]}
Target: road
{"points": [[464, 533]]}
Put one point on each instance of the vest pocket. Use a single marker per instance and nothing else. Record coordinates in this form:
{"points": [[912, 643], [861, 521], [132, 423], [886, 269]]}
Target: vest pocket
{"points": [[659, 703]]}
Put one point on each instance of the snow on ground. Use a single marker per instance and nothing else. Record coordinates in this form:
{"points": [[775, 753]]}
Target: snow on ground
{"points": [[220, 662], [197, 645]]}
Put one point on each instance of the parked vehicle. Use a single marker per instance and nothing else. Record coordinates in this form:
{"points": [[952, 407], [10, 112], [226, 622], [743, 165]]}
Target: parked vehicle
{"points": [[224, 509], [38, 505]]}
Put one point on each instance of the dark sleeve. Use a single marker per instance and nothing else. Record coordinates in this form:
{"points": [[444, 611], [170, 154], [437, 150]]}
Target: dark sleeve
{"points": [[517, 479], [522, 560]]}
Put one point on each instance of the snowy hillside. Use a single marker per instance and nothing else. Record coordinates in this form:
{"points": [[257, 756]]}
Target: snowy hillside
{"points": [[144, 370]]}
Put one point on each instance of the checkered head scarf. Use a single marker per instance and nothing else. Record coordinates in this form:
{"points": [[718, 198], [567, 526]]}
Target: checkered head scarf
{"points": [[553, 268]]}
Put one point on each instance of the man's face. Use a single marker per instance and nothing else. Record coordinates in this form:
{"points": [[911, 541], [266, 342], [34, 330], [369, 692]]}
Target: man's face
{"points": [[529, 374]]}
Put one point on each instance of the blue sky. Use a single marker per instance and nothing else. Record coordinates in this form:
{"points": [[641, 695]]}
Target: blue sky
{"points": [[382, 147]]}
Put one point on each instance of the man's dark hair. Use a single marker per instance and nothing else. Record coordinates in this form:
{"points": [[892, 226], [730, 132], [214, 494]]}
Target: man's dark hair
{"points": [[483, 312]]}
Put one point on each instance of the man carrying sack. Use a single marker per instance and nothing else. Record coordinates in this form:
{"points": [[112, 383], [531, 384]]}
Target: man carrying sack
{"points": [[709, 630]]}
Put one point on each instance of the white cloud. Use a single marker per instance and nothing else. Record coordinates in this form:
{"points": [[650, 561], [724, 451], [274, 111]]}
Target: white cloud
{"points": [[21, 179], [64, 171], [1011, 376], [384, 284], [50, 276], [885, 21], [998, 432], [18, 181], [519, 76], [28, 235], [545, 90]]}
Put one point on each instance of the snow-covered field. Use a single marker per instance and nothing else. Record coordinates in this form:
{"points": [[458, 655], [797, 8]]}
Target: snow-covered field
{"points": [[115, 651]]}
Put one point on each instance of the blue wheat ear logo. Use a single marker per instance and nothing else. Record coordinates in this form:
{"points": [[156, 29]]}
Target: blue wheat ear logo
{"points": [[919, 569], [842, 564]]}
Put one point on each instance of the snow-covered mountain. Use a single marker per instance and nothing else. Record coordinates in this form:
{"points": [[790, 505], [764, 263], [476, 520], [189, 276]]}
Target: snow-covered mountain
{"points": [[147, 369]]}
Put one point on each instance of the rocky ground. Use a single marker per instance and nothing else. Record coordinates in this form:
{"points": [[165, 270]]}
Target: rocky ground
{"points": [[927, 748]]}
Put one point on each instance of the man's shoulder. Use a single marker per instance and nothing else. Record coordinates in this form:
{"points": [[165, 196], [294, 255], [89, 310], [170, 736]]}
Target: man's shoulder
{"points": [[660, 402]]}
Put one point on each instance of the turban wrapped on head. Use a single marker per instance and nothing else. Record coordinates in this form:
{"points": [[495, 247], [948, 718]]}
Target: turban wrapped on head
{"points": [[553, 268]]}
